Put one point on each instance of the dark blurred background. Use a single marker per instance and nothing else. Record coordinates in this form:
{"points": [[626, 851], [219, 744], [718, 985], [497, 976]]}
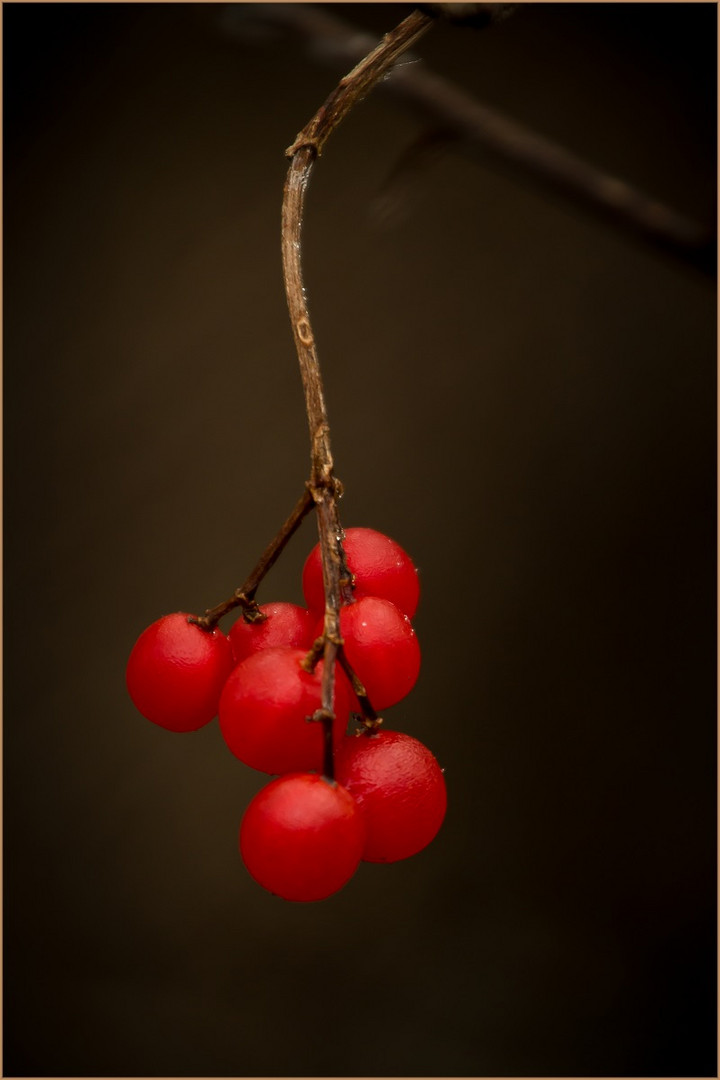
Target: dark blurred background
{"points": [[522, 395]]}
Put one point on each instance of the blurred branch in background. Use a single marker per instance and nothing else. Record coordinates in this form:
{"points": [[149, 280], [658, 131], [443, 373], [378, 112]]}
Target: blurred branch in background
{"points": [[458, 117]]}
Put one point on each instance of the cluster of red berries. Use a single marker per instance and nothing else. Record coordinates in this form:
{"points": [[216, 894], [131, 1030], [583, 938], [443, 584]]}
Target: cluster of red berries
{"points": [[304, 835]]}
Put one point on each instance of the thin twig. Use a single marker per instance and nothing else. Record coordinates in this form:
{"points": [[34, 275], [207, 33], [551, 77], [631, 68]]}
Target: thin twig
{"points": [[370, 718], [323, 485], [334, 41], [244, 597]]}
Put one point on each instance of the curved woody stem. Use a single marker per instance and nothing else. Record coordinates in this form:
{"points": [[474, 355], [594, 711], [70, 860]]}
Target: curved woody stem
{"points": [[323, 485]]}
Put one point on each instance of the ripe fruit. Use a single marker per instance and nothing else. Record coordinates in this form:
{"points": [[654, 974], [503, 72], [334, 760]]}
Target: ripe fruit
{"points": [[176, 672], [286, 624], [380, 568], [264, 711], [400, 789], [382, 649], [302, 837]]}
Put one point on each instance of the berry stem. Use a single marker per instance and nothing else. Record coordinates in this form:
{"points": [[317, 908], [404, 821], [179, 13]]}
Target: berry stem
{"points": [[323, 486], [244, 597], [371, 720]]}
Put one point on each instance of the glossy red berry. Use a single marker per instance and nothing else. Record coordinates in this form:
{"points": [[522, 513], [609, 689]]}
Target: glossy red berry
{"points": [[380, 568], [176, 672], [302, 837], [285, 624], [264, 711], [400, 789], [382, 649]]}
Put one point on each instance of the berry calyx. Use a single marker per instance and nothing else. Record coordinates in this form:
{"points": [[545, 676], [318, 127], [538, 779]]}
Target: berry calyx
{"points": [[176, 672], [400, 789], [380, 567], [284, 624], [382, 649], [302, 837], [265, 708]]}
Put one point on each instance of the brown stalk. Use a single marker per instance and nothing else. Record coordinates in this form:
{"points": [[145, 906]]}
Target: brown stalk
{"points": [[323, 486]]}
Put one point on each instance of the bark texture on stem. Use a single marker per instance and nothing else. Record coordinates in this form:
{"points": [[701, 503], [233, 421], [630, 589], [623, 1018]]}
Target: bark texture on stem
{"points": [[323, 485]]}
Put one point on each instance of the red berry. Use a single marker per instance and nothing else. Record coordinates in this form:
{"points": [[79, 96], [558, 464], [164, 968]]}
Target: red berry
{"points": [[264, 710], [380, 568], [302, 837], [176, 672], [382, 649], [400, 789], [286, 624]]}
